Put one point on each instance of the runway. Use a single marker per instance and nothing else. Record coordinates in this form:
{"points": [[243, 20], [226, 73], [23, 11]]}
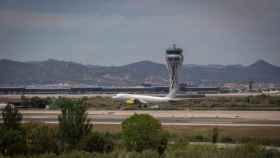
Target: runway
{"points": [[178, 118]]}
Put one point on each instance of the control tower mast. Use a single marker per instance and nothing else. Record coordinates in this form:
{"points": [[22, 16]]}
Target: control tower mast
{"points": [[174, 58]]}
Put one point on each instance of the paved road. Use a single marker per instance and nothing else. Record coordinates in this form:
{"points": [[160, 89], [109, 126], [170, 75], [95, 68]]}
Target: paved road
{"points": [[184, 118]]}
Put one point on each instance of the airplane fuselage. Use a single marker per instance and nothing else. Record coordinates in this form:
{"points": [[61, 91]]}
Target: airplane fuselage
{"points": [[141, 98]]}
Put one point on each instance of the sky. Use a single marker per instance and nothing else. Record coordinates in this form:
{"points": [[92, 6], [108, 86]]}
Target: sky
{"points": [[119, 32]]}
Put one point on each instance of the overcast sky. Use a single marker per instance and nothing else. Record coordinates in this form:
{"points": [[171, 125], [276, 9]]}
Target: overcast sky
{"points": [[118, 32]]}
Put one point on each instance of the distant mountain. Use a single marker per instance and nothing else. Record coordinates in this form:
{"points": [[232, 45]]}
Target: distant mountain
{"points": [[131, 74], [50, 71], [55, 71], [258, 71]]}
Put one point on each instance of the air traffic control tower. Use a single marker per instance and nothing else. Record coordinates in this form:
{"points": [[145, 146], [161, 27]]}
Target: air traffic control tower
{"points": [[174, 58]]}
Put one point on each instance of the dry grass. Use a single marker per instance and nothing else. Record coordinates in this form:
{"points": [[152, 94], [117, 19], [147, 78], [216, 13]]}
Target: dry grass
{"points": [[107, 128], [272, 132], [233, 132], [188, 131]]}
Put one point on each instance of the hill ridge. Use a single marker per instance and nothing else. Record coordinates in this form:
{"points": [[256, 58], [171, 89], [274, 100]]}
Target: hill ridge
{"points": [[57, 71]]}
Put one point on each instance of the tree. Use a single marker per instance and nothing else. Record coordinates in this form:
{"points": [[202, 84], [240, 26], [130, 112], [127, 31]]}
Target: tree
{"points": [[73, 122], [11, 117], [142, 132], [11, 135], [37, 102]]}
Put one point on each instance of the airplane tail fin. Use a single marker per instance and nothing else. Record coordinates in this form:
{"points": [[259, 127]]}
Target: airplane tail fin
{"points": [[172, 93]]}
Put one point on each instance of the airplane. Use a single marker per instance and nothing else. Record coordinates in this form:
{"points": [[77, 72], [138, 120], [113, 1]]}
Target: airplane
{"points": [[146, 99], [271, 92]]}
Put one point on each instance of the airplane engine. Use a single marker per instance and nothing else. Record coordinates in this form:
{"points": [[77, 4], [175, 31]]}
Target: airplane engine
{"points": [[130, 101]]}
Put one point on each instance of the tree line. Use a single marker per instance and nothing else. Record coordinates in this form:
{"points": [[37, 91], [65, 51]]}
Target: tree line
{"points": [[75, 132]]}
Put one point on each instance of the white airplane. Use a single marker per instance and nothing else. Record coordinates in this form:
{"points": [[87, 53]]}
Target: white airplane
{"points": [[146, 99], [271, 92]]}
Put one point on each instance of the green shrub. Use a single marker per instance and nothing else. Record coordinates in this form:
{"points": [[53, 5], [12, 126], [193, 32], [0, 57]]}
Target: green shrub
{"points": [[199, 138], [40, 138], [12, 138], [193, 151], [227, 140], [141, 132], [56, 103], [73, 122], [260, 140], [246, 150], [60, 102], [179, 143], [12, 142], [215, 135], [271, 153], [97, 142], [37, 102], [143, 154], [24, 101]]}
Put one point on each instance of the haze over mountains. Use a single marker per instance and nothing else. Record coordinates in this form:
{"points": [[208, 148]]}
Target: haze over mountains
{"points": [[54, 71]]}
